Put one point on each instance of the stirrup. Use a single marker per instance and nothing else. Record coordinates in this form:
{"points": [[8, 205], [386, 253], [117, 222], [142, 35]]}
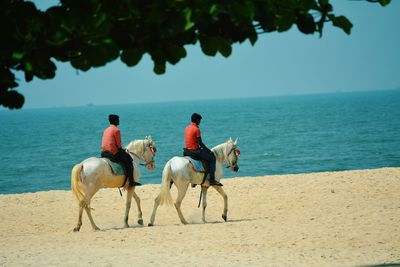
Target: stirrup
{"points": [[134, 184], [216, 183]]}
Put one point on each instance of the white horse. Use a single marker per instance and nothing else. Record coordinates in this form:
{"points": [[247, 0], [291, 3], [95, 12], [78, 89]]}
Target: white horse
{"points": [[179, 171], [93, 173]]}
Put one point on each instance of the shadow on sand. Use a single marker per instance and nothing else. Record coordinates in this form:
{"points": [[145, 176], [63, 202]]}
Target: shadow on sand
{"points": [[392, 264]]}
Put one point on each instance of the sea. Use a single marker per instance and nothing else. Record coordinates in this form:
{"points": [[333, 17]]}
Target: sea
{"points": [[276, 135]]}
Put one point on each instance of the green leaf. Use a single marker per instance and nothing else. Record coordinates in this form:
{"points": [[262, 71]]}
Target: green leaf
{"points": [[209, 45], [18, 55], [175, 53], [7, 79], [284, 22], [188, 16], [325, 6], [28, 76], [253, 37], [131, 57], [307, 4], [100, 19], [11, 99], [341, 22], [213, 10], [107, 41], [58, 38], [99, 55], [43, 67], [28, 66], [242, 12], [81, 64], [224, 47], [323, 2], [158, 55], [384, 2], [305, 23], [159, 68]]}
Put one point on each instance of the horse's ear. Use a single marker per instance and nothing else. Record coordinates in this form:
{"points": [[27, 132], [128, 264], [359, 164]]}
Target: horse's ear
{"points": [[230, 139], [236, 140]]}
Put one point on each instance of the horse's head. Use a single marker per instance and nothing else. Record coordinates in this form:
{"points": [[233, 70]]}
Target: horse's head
{"points": [[145, 150], [232, 153], [149, 153]]}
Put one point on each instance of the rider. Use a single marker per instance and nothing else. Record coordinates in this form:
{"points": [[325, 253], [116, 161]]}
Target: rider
{"points": [[111, 148], [195, 148]]}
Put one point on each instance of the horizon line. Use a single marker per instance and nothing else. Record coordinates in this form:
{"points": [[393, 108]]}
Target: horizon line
{"points": [[92, 104]]}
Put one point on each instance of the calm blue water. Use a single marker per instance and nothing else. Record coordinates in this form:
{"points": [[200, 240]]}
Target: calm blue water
{"points": [[277, 135]]}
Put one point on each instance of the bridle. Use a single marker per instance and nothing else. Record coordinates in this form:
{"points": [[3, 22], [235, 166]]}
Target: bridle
{"points": [[237, 154], [153, 151]]}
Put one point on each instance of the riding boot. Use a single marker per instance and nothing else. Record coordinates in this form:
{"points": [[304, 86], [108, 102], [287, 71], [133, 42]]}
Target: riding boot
{"points": [[132, 182], [214, 182]]}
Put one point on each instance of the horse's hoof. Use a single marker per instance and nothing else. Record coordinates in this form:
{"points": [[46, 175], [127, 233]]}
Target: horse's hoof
{"points": [[76, 229], [224, 217], [126, 225], [140, 221], [150, 225]]}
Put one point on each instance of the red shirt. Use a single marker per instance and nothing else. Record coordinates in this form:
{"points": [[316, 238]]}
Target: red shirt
{"points": [[192, 132], [111, 140]]}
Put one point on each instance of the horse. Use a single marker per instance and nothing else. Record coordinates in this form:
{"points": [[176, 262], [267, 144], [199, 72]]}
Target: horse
{"points": [[180, 172], [93, 173]]}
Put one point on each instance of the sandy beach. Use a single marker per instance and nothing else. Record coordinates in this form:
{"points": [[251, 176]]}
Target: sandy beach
{"points": [[349, 218]]}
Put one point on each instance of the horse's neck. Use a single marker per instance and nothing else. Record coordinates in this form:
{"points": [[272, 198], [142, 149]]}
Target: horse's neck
{"points": [[219, 152], [136, 147]]}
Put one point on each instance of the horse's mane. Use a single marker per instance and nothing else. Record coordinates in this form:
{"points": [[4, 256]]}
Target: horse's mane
{"points": [[137, 145], [219, 150]]}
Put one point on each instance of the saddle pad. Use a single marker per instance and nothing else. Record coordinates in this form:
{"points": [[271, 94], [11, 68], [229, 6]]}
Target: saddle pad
{"points": [[116, 168], [197, 165]]}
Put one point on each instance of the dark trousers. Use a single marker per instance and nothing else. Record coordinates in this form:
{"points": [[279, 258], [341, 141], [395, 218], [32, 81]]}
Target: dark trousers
{"points": [[201, 154], [124, 158]]}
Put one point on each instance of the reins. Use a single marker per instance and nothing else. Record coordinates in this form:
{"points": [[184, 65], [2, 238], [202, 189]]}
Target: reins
{"points": [[227, 158], [132, 154], [137, 156]]}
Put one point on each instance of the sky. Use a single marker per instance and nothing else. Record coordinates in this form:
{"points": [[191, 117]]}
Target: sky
{"points": [[288, 63]]}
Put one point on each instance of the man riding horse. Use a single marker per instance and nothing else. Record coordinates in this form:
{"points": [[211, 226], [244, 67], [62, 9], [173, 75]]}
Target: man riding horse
{"points": [[111, 148], [195, 148]]}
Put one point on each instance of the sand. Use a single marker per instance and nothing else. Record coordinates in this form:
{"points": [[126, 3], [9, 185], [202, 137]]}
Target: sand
{"points": [[349, 218]]}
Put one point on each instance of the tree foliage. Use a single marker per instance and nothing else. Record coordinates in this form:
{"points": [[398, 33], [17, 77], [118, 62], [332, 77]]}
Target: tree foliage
{"points": [[91, 33]]}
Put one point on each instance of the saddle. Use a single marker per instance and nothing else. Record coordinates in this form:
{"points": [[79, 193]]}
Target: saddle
{"points": [[116, 167], [199, 166]]}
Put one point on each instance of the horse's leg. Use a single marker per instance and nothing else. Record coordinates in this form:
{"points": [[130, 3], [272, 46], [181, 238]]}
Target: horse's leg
{"points": [[89, 214], [140, 214], [78, 226], [181, 194], [204, 191], [153, 215], [223, 194], [128, 206]]}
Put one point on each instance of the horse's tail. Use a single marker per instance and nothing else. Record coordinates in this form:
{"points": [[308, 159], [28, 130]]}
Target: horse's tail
{"points": [[75, 183], [165, 194]]}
